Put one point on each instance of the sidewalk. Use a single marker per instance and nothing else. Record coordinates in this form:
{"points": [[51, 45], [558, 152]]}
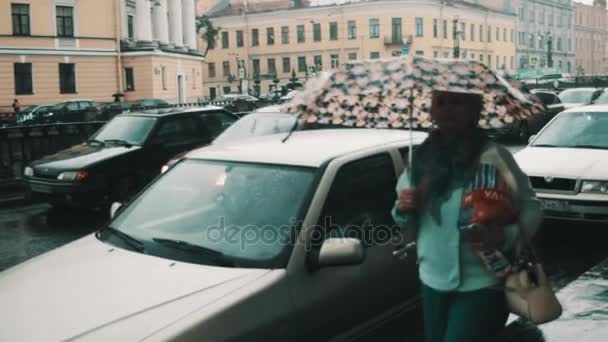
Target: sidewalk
{"points": [[585, 303]]}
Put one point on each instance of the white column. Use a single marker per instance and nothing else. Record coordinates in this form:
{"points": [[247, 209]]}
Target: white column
{"points": [[175, 22], [188, 19], [143, 21], [160, 20]]}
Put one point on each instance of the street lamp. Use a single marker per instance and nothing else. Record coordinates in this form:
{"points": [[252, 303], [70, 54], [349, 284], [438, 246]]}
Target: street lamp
{"points": [[456, 37]]}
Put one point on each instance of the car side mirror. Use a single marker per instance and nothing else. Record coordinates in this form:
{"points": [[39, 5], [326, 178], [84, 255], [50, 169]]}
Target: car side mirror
{"points": [[532, 137], [341, 252], [114, 208]]}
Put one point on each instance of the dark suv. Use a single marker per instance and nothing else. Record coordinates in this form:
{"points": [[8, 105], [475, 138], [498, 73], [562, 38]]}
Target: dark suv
{"points": [[74, 111], [123, 156]]}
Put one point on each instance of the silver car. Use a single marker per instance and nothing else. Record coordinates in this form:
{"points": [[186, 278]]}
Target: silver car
{"points": [[266, 240]]}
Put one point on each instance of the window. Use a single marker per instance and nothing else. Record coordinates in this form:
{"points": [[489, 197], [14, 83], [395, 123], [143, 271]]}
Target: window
{"points": [[352, 29], [65, 21], [286, 64], [301, 64], [130, 27], [435, 54], [318, 61], [225, 41], [463, 31], [489, 61], [333, 31], [435, 28], [374, 28], [397, 32], [419, 53], [532, 42], [504, 62], [532, 15], [481, 57], [301, 34], [559, 44], [23, 78], [445, 29], [541, 17], [511, 64], [355, 207], [352, 56], [256, 67], [512, 34], [497, 34], [374, 55], [497, 62], [419, 27], [550, 19], [316, 32], [226, 90], [164, 77], [240, 42], [272, 66], [211, 70], [21, 19], [285, 34], [481, 32], [67, 78], [521, 14], [255, 37], [226, 68], [270, 36], [472, 32], [335, 61], [129, 80], [489, 34], [175, 131]]}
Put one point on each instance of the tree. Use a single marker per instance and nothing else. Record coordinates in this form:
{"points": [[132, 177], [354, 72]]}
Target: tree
{"points": [[208, 32]]}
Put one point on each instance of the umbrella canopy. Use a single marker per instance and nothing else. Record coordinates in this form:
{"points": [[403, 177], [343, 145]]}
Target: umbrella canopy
{"points": [[392, 93]]}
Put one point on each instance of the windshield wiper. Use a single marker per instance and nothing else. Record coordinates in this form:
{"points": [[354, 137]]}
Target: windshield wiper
{"points": [[95, 141], [128, 239], [545, 145], [218, 257], [595, 147], [118, 142]]}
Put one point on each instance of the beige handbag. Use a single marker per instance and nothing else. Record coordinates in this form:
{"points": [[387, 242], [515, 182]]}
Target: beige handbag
{"points": [[528, 290]]}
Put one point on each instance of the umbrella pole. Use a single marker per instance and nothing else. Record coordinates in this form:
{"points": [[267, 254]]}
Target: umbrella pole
{"points": [[410, 153]]}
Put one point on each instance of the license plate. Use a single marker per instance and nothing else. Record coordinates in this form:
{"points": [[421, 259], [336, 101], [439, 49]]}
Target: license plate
{"points": [[41, 188], [556, 205]]}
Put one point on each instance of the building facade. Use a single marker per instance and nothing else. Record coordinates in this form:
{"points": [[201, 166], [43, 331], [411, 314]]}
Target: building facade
{"points": [[545, 36], [591, 28], [273, 45], [159, 50], [57, 50]]}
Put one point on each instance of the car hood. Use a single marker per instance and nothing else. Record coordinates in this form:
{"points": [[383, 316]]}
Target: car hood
{"points": [[87, 286], [81, 156], [564, 162]]}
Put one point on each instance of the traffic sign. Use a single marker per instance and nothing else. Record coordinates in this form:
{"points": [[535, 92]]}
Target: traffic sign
{"points": [[405, 49]]}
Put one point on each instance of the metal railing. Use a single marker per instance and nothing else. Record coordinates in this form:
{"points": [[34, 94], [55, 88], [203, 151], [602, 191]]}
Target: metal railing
{"points": [[20, 145]]}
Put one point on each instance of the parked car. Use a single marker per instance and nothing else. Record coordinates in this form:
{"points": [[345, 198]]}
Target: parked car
{"points": [[110, 110], [576, 97], [602, 99], [36, 114], [236, 97], [123, 156], [226, 234], [144, 104], [567, 163], [7, 119], [74, 111]]}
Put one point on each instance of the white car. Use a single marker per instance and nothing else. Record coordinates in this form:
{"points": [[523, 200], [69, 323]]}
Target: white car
{"points": [[576, 97], [567, 163], [267, 240]]}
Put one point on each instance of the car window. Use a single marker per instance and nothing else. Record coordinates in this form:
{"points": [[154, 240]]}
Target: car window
{"points": [[175, 130], [213, 124], [602, 99], [360, 199], [43, 110], [72, 106], [84, 104], [547, 98]]}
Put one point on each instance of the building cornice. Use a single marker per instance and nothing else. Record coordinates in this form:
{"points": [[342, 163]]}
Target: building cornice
{"points": [[56, 52], [161, 54]]}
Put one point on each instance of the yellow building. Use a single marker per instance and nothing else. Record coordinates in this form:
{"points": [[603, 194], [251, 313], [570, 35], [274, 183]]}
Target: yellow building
{"points": [[57, 50], [275, 43]]}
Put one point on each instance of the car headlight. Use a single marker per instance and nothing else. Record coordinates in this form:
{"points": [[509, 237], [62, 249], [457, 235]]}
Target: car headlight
{"points": [[595, 186], [73, 175], [28, 172], [164, 168]]}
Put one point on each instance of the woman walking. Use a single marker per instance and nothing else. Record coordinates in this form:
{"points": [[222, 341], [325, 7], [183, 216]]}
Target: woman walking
{"points": [[463, 197]]}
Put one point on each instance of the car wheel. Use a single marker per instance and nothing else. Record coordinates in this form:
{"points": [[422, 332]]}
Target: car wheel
{"points": [[523, 133]]}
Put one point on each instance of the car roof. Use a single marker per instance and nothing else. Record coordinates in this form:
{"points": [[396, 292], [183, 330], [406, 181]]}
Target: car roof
{"points": [[176, 110], [305, 148], [589, 108], [587, 89]]}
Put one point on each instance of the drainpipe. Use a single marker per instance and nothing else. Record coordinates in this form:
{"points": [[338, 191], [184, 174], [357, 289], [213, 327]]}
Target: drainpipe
{"points": [[118, 30]]}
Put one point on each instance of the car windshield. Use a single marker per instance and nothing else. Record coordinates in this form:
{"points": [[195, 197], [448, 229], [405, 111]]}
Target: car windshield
{"points": [[576, 129], [28, 109], [256, 125], [576, 96], [243, 211], [603, 99], [132, 129]]}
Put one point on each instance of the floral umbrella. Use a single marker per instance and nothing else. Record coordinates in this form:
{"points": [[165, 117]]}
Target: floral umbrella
{"points": [[392, 93]]}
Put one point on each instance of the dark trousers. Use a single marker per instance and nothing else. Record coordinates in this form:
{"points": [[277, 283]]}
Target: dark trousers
{"points": [[475, 316]]}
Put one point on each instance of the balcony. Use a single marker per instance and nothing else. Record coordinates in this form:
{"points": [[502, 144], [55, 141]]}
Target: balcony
{"points": [[397, 39]]}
